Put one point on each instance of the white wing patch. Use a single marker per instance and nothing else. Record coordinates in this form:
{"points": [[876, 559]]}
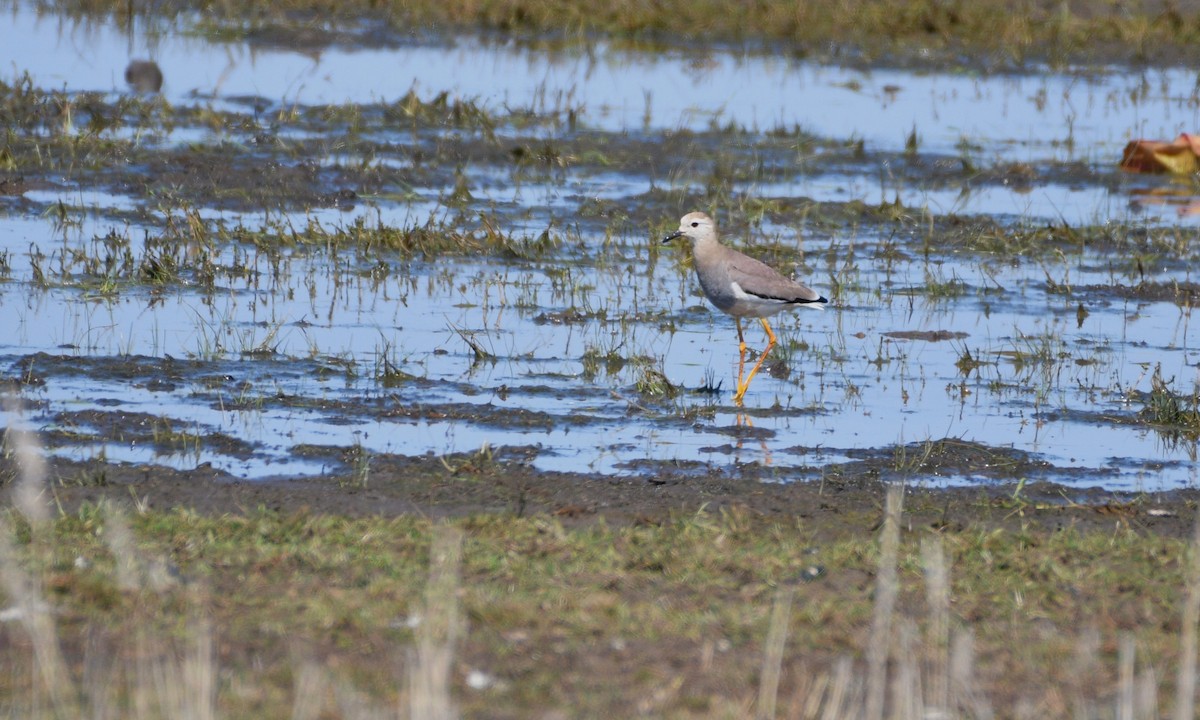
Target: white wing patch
{"points": [[744, 296]]}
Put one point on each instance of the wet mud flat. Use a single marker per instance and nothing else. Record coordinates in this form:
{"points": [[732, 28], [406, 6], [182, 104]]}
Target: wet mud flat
{"points": [[503, 481], [437, 274]]}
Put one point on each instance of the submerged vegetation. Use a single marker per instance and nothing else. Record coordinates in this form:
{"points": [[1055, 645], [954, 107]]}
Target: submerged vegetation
{"points": [[1176, 416]]}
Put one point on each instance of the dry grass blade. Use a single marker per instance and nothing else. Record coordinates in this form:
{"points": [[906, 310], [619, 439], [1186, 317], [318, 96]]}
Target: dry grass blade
{"points": [[430, 668], [964, 695], [101, 677], [28, 495], [768, 686], [200, 673], [142, 691], [1125, 659], [907, 703], [120, 543], [841, 691], [185, 688], [1086, 667], [885, 602], [1185, 689], [22, 589], [810, 691], [1145, 699], [937, 596], [308, 696], [481, 353]]}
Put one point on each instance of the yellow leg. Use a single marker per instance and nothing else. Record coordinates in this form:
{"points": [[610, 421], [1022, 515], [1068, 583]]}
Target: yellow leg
{"points": [[742, 387], [737, 398], [770, 335]]}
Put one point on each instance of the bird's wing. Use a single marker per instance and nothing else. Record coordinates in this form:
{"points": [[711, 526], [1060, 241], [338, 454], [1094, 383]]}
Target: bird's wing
{"points": [[761, 280]]}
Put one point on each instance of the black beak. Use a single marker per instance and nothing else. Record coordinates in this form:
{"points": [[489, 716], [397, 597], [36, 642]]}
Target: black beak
{"points": [[672, 236]]}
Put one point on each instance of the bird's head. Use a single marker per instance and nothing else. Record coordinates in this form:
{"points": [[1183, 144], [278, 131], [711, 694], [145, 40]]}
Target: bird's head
{"points": [[695, 226]]}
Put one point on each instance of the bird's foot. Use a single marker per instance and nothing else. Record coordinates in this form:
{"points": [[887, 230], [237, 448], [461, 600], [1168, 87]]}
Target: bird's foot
{"points": [[741, 393]]}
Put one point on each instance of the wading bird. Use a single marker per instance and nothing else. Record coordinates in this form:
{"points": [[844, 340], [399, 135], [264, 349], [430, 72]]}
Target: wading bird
{"points": [[740, 286]]}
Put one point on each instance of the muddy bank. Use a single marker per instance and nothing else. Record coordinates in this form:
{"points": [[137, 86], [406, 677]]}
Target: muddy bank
{"points": [[500, 481]]}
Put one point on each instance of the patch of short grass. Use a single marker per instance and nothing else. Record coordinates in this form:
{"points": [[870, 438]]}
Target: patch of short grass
{"points": [[591, 620]]}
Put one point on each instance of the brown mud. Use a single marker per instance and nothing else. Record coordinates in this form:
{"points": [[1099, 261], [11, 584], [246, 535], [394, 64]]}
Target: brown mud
{"points": [[848, 502]]}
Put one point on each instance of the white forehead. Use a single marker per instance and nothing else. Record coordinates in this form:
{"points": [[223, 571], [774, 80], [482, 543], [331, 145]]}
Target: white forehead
{"points": [[695, 217]]}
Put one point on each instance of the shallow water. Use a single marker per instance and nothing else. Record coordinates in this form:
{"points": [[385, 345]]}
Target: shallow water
{"points": [[1035, 118], [1026, 117], [303, 341]]}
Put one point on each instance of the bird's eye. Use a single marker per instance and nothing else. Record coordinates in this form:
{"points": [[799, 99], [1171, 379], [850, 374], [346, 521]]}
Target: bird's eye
{"points": [[695, 224]]}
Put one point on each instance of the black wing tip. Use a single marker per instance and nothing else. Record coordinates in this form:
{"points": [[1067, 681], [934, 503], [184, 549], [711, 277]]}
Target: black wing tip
{"points": [[820, 299]]}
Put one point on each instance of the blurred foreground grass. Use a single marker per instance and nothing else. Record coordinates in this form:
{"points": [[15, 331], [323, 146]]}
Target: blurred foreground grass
{"points": [[701, 614]]}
